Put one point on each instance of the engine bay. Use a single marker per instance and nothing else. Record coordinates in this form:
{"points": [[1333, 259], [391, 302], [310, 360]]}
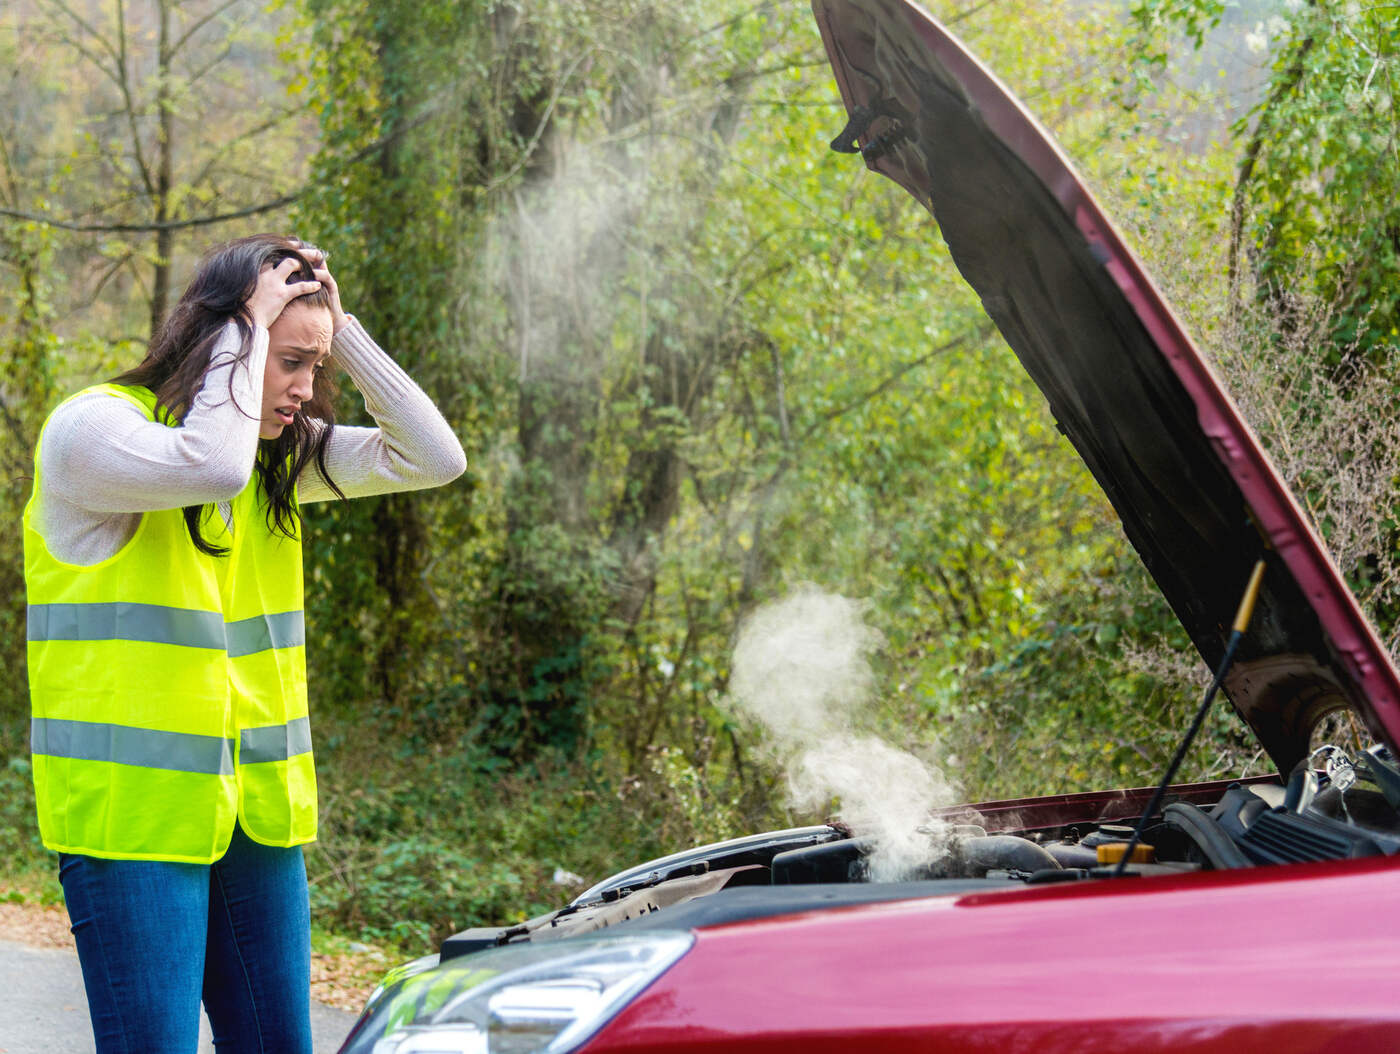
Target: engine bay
{"points": [[1349, 807]]}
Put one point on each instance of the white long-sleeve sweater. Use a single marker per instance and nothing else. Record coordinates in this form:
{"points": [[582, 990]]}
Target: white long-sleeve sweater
{"points": [[103, 463]]}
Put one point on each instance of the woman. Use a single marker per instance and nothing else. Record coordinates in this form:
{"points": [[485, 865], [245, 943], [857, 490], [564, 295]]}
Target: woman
{"points": [[172, 753]]}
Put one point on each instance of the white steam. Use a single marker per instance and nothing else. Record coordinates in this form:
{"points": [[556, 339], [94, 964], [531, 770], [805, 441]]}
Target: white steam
{"points": [[802, 669]]}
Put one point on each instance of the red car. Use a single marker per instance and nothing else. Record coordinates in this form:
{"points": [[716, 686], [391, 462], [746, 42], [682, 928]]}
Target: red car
{"points": [[1266, 914]]}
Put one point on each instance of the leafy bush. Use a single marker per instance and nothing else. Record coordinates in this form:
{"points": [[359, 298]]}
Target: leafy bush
{"points": [[419, 839], [25, 860]]}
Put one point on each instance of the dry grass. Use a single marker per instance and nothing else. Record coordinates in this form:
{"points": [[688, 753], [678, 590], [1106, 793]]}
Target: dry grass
{"points": [[344, 973], [1325, 412], [38, 925], [1327, 415]]}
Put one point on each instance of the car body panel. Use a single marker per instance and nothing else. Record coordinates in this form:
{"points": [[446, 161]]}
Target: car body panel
{"points": [[1290, 958], [1196, 494]]}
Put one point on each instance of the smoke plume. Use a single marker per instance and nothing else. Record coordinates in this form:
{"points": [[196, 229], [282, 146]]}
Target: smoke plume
{"points": [[802, 669]]}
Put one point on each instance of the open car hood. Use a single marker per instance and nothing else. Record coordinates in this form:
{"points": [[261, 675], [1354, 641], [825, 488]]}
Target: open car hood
{"points": [[1197, 496]]}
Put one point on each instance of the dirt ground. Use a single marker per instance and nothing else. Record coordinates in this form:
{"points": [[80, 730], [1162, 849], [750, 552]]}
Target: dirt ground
{"points": [[42, 925], [342, 979]]}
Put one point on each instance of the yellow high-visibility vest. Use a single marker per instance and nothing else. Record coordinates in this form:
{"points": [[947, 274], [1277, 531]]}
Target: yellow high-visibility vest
{"points": [[168, 686]]}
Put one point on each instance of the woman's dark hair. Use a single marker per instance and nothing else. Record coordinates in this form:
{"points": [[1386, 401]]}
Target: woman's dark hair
{"points": [[178, 358]]}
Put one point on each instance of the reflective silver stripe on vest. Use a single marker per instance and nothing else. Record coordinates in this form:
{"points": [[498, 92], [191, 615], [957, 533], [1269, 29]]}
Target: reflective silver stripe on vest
{"points": [[124, 745], [274, 742], [121, 620], [286, 629]]}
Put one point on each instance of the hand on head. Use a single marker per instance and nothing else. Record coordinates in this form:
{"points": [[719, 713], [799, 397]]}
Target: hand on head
{"points": [[317, 259], [273, 293]]}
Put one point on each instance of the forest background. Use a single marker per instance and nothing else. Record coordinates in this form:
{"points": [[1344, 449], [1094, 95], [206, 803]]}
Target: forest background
{"points": [[697, 361]]}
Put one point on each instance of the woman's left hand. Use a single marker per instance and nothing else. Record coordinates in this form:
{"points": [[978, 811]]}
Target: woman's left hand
{"points": [[317, 258]]}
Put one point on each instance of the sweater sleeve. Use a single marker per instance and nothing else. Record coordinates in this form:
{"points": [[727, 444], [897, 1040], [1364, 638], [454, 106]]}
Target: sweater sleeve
{"points": [[412, 446], [101, 455]]}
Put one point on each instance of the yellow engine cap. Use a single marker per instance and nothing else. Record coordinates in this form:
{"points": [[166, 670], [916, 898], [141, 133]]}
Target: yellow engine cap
{"points": [[1112, 852]]}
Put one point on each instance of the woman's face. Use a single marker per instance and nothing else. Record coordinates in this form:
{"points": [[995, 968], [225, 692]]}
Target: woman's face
{"points": [[297, 346]]}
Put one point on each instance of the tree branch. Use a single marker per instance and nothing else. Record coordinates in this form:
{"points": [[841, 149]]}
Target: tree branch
{"points": [[248, 133], [719, 27], [200, 23], [168, 225], [968, 12], [1252, 153], [534, 142], [107, 275], [976, 333], [197, 75], [17, 464], [91, 30], [768, 71], [129, 104], [11, 184], [252, 210]]}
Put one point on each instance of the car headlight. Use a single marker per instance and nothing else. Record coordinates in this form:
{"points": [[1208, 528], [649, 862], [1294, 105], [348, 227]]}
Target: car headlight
{"points": [[544, 998], [397, 973]]}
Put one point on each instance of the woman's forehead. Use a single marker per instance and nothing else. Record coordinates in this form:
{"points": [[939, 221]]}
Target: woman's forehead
{"points": [[302, 327]]}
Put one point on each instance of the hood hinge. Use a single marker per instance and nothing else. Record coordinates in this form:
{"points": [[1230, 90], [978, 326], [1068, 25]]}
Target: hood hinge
{"points": [[862, 117]]}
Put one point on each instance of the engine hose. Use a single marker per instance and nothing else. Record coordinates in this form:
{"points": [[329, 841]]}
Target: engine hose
{"points": [[1206, 834], [981, 855]]}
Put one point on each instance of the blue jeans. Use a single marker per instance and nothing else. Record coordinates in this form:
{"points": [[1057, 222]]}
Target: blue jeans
{"points": [[154, 938]]}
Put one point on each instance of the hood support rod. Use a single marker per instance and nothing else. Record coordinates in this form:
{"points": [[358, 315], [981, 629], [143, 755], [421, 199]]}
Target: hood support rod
{"points": [[1237, 631]]}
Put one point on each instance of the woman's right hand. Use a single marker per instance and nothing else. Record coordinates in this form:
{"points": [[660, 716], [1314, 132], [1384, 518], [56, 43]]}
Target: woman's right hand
{"points": [[273, 293]]}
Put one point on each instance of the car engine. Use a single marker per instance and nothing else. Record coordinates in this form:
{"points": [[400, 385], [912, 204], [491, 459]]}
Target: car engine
{"points": [[1350, 807]]}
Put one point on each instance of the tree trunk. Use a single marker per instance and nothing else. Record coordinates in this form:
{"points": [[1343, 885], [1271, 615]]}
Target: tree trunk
{"points": [[160, 285]]}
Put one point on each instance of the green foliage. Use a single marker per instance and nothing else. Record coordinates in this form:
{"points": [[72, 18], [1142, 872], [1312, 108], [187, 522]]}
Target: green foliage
{"points": [[1096, 695], [1156, 21], [25, 858], [29, 350], [1321, 144], [1312, 152], [395, 219], [1306, 329], [427, 838]]}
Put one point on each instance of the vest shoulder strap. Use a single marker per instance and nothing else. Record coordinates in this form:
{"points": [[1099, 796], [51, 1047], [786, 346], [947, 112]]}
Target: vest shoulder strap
{"points": [[137, 396]]}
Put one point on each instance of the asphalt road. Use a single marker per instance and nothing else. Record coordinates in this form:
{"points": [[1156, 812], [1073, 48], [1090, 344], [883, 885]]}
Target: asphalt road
{"points": [[43, 1009]]}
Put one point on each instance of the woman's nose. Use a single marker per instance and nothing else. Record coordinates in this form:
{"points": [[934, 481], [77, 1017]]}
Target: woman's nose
{"points": [[303, 383]]}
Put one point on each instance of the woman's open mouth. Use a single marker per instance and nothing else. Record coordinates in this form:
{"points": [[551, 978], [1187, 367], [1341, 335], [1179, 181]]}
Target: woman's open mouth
{"points": [[284, 414]]}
